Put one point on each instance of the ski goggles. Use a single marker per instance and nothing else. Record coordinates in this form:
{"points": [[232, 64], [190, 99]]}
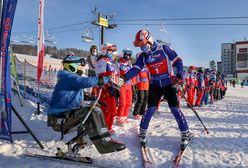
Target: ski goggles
{"points": [[80, 61]]}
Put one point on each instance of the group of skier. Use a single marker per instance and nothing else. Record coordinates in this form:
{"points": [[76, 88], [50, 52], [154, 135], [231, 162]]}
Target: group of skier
{"points": [[156, 73], [200, 85]]}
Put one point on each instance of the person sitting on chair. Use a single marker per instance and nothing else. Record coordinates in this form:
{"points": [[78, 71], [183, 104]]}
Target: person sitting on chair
{"points": [[66, 113]]}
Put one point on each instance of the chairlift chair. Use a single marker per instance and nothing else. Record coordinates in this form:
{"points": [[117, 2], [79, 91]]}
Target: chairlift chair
{"points": [[50, 40], [87, 36], [28, 40]]}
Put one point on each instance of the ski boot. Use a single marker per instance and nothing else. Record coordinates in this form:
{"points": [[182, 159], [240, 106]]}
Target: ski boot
{"points": [[142, 136], [185, 139]]}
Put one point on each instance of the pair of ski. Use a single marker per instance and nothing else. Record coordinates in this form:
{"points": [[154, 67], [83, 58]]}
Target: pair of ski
{"points": [[147, 161]]}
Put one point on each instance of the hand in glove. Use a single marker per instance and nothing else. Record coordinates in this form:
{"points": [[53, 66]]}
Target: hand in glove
{"points": [[176, 80], [116, 80]]}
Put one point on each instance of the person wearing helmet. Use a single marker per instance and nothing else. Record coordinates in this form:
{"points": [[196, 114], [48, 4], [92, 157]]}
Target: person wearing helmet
{"points": [[191, 84], [91, 60], [106, 67], [160, 60], [125, 99], [66, 106], [200, 85]]}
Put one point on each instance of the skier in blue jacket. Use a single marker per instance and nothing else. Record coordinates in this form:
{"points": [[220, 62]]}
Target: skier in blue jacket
{"points": [[66, 105], [160, 60]]}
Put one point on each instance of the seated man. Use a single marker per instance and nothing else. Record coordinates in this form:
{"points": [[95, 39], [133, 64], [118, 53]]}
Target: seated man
{"points": [[65, 106]]}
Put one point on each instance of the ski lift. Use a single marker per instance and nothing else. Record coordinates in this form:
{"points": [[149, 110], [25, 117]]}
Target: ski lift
{"points": [[162, 26], [50, 40], [15, 40], [87, 35], [28, 40]]}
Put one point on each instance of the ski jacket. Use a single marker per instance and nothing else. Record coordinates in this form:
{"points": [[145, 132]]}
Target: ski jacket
{"points": [[124, 67], [200, 80], [160, 62], [67, 94], [207, 83], [91, 60], [190, 79], [105, 67], [143, 80]]}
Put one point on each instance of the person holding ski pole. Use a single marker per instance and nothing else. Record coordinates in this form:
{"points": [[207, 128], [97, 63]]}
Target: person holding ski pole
{"points": [[160, 60]]}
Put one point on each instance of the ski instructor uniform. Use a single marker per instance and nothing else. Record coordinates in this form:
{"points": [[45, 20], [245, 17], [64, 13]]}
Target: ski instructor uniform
{"points": [[160, 60]]}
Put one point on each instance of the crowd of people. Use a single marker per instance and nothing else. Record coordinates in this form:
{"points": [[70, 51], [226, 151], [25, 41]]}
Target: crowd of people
{"points": [[156, 74]]}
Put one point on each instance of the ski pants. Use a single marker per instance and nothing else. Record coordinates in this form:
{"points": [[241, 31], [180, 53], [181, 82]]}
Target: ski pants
{"points": [[141, 103], [125, 101], [205, 98], [191, 95], [200, 93], [155, 94], [179, 94], [108, 106]]}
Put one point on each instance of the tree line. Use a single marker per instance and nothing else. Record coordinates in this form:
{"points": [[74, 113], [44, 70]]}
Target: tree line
{"points": [[53, 51]]}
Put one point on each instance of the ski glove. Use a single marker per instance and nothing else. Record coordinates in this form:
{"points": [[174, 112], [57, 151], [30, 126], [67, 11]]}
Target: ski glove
{"points": [[116, 80], [103, 80], [176, 80]]}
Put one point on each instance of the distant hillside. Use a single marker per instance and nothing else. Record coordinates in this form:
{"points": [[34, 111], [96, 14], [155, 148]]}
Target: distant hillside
{"points": [[53, 51]]}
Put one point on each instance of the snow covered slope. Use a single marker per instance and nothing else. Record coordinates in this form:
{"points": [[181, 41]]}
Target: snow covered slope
{"points": [[225, 146]]}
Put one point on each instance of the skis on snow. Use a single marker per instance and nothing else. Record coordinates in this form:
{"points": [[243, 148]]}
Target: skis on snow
{"points": [[180, 154], [79, 160], [147, 161]]}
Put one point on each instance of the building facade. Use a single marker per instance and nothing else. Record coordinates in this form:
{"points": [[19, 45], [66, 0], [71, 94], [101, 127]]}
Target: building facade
{"points": [[241, 59], [227, 54]]}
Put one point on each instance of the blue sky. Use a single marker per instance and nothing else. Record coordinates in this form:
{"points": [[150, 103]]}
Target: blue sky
{"points": [[197, 45]]}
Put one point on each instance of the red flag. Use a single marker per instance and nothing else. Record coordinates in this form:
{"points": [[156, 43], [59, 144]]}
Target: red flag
{"points": [[40, 48]]}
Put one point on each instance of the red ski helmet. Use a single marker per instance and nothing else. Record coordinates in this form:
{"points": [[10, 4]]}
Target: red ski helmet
{"points": [[192, 68], [142, 38]]}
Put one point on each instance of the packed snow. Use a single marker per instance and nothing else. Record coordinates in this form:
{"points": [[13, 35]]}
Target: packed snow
{"points": [[225, 146]]}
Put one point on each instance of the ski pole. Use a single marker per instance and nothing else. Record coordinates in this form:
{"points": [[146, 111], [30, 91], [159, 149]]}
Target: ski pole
{"points": [[92, 107], [192, 108]]}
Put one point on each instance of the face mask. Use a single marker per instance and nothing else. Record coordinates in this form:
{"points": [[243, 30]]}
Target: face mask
{"points": [[94, 53], [146, 48], [109, 54]]}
